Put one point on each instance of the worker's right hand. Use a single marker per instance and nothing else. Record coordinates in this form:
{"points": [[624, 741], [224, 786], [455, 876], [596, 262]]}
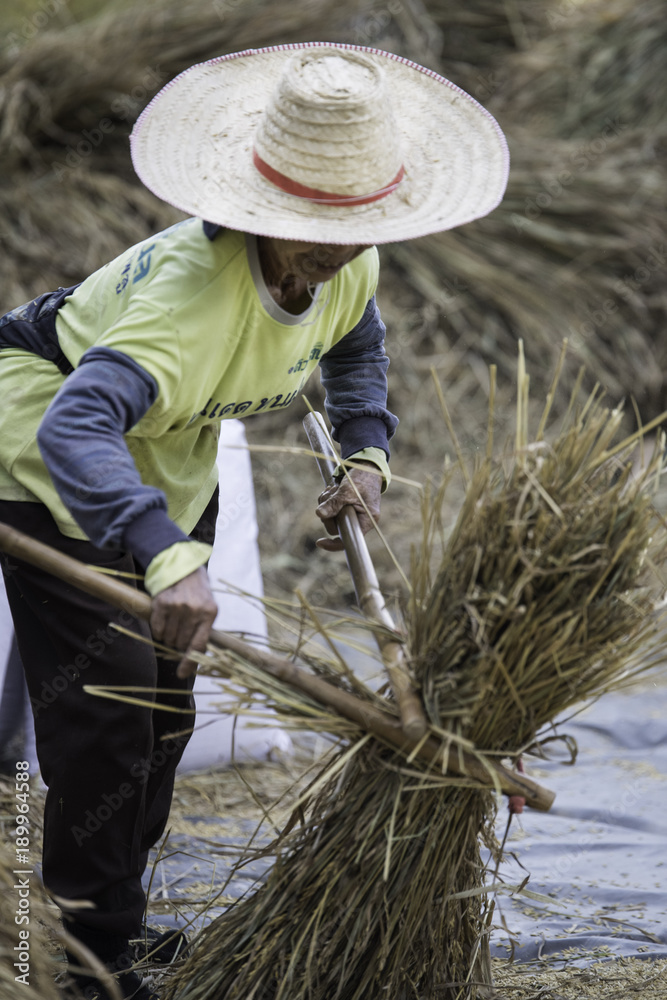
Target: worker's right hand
{"points": [[182, 617], [360, 489]]}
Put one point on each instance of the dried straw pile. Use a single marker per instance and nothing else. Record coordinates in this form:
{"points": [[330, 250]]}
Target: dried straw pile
{"points": [[535, 601], [612, 55], [578, 247], [476, 39], [569, 253], [70, 92], [68, 99]]}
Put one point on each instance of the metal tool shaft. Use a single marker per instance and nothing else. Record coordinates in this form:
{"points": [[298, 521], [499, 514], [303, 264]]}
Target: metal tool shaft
{"points": [[367, 589]]}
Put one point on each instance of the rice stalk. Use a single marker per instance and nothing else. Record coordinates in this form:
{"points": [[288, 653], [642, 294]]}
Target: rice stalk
{"points": [[540, 596]]}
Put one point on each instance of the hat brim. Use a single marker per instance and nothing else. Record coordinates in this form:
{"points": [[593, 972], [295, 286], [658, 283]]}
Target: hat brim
{"points": [[193, 147]]}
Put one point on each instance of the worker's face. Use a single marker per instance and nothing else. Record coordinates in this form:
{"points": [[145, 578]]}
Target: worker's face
{"points": [[313, 261]]}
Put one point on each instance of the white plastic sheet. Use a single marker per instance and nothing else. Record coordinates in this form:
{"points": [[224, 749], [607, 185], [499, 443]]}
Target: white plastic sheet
{"points": [[234, 567]]}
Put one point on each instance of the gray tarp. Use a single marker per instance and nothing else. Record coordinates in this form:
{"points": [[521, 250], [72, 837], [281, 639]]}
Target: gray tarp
{"points": [[599, 854]]}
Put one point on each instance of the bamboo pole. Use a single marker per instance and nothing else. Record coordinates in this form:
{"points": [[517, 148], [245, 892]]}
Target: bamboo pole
{"points": [[367, 589], [369, 718]]}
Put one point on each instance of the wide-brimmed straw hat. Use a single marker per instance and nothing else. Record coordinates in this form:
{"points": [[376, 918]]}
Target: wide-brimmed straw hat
{"points": [[321, 142]]}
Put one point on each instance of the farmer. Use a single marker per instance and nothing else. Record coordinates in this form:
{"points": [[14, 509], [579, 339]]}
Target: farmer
{"points": [[300, 159]]}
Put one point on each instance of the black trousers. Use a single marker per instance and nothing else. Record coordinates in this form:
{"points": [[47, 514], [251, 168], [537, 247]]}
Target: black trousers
{"points": [[12, 712], [109, 766]]}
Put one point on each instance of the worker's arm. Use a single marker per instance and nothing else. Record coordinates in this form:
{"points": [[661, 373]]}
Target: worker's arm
{"points": [[354, 376], [81, 441]]}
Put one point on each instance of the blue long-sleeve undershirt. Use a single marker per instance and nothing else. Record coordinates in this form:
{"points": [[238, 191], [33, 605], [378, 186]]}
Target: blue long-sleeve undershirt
{"points": [[354, 377], [81, 441]]}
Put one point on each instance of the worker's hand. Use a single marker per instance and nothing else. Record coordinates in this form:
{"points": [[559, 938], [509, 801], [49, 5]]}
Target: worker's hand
{"points": [[338, 495], [183, 615]]}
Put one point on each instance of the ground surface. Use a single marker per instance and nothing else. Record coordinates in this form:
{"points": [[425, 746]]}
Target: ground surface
{"points": [[597, 855]]}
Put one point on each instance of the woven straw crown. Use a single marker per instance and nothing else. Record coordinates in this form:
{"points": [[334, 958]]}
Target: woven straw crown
{"points": [[330, 127]]}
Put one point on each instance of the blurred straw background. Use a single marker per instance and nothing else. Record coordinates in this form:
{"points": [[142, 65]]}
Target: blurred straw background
{"points": [[576, 250]]}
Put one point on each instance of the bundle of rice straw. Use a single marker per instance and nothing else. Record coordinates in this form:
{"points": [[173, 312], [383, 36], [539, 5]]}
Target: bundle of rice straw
{"points": [[542, 595]]}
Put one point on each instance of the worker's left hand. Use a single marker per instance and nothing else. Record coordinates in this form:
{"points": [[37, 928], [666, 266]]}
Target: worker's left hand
{"points": [[343, 494]]}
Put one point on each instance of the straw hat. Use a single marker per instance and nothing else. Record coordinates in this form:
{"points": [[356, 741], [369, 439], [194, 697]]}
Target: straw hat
{"points": [[321, 142]]}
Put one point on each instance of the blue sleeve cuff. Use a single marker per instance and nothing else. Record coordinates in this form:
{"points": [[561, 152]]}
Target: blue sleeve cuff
{"points": [[149, 533], [361, 432]]}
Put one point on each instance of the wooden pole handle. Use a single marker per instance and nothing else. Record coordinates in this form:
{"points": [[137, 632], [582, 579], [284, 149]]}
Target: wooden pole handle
{"points": [[366, 716], [367, 589]]}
